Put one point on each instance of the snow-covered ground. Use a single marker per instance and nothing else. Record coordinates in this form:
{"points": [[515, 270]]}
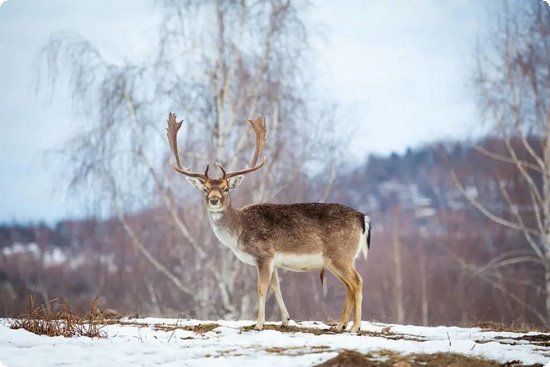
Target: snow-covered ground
{"points": [[151, 341]]}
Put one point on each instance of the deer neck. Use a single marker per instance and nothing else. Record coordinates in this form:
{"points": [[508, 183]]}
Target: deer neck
{"points": [[225, 224]]}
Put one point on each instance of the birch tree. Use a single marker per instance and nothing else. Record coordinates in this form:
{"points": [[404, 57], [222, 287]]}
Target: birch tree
{"points": [[216, 64]]}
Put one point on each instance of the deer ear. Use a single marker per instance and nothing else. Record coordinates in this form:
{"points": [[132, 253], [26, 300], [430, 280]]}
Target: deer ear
{"points": [[196, 182], [233, 182]]}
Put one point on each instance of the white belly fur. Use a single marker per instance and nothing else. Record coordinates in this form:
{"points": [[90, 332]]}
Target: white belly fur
{"points": [[299, 262]]}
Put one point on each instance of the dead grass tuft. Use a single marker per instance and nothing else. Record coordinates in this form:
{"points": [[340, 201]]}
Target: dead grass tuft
{"points": [[451, 359], [58, 319], [349, 358], [199, 329], [292, 329], [385, 333], [514, 328], [541, 340], [280, 350], [297, 350]]}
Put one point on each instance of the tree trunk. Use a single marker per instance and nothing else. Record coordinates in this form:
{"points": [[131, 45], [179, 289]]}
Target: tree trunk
{"points": [[423, 286], [398, 285], [546, 213]]}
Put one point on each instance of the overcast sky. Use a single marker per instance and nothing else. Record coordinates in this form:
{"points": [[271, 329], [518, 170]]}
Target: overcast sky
{"points": [[400, 68]]}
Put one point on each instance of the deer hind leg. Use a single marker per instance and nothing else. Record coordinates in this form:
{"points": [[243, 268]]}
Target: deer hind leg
{"points": [[348, 305], [351, 279], [357, 290], [275, 287], [265, 270]]}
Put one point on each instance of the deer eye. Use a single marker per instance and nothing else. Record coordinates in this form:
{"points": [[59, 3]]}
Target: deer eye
{"points": [[205, 190], [226, 189]]}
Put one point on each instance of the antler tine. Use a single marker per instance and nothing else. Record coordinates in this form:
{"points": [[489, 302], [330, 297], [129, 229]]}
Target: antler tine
{"points": [[260, 130], [172, 129], [245, 171]]}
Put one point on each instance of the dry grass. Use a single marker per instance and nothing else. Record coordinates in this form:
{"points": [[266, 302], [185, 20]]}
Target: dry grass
{"points": [[199, 329], [514, 328], [385, 333], [297, 351], [393, 336], [58, 319], [541, 340], [350, 358], [292, 329]]}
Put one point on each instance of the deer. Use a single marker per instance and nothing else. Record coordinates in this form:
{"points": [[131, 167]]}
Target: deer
{"points": [[296, 237]]}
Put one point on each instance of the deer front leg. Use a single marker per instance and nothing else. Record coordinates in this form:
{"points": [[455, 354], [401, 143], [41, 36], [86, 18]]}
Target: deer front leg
{"points": [[265, 270], [275, 287]]}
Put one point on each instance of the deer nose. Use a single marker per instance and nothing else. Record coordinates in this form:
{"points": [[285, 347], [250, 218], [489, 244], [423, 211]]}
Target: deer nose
{"points": [[213, 200]]}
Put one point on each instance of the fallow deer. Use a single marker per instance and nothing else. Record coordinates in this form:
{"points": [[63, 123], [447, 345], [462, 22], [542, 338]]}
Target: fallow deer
{"points": [[296, 237]]}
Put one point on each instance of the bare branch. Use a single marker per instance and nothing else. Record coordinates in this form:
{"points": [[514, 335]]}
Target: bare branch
{"points": [[487, 212], [519, 219], [503, 158], [472, 269], [138, 244]]}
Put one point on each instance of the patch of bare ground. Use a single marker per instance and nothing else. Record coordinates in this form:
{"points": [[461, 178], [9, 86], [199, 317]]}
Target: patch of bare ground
{"points": [[293, 329], [199, 329], [514, 328], [350, 358], [57, 318], [298, 351], [393, 336], [385, 333], [541, 340]]}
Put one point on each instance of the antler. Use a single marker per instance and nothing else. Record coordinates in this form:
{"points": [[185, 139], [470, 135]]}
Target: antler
{"points": [[172, 132], [260, 130]]}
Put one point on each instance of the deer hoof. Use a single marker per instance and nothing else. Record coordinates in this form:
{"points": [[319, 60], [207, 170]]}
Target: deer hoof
{"points": [[338, 328], [355, 328], [259, 327], [285, 321]]}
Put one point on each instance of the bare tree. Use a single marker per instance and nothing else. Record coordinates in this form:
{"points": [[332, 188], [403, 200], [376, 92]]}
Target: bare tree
{"points": [[217, 64], [513, 83], [423, 275], [398, 292]]}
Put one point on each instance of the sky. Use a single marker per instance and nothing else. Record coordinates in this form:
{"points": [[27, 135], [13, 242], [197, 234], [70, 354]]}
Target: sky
{"points": [[400, 68]]}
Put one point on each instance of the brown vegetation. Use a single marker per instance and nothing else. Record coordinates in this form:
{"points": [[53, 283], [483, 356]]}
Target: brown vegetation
{"points": [[385, 333], [199, 329], [511, 327], [350, 358], [58, 319], [294, 329]]}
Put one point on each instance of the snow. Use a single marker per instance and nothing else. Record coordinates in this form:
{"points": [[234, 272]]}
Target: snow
{"points": [[51, 257], [54, 257], [136, 342], [20, 248]]}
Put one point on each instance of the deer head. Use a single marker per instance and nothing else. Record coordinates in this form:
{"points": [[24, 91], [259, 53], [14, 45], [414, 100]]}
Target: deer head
{"points": [[216, 190]]}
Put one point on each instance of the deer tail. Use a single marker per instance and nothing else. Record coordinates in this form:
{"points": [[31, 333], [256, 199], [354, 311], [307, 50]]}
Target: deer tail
{"points": [[367, 232]]}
